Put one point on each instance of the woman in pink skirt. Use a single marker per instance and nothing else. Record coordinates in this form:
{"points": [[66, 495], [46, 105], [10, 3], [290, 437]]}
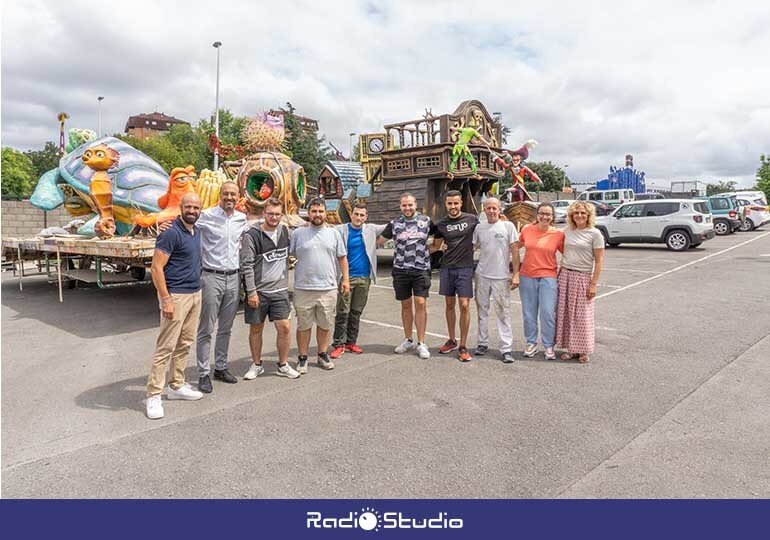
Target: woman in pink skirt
{"points": [[578, 275]]}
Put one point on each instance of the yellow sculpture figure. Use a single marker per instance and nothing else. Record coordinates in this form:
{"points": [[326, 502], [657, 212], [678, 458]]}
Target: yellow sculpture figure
{"points": [[101, 158]]}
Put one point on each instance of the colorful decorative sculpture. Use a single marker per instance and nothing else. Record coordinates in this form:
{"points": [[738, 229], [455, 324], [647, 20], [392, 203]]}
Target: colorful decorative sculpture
{"points": [[102, 158], [78, 137], [182, 181], [460, 149], [137, 183], [516, 172], [266, 172]]}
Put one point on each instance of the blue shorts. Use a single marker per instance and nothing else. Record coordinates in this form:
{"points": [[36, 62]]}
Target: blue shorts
{"points": [[456, 282]]}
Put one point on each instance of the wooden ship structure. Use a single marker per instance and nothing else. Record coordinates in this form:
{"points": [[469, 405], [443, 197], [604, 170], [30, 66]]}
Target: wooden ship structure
{"points": [[414, 157]]}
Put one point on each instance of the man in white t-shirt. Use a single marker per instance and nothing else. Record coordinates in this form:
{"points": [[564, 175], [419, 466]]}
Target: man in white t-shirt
{"points": [[496, 241]]}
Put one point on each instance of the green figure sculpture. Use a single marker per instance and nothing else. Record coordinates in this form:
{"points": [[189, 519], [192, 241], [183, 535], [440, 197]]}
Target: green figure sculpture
{"points": [[460, 149]]}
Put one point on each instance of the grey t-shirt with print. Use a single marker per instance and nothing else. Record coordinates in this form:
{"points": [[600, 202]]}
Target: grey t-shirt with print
{"points": [[317, 250]]}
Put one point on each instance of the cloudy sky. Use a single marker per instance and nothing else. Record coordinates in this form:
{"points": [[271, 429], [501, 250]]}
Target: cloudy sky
{"points": [[683, 86]]}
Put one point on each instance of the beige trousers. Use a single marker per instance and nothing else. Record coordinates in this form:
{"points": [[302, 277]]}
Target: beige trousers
{"points": [[176, 337]]}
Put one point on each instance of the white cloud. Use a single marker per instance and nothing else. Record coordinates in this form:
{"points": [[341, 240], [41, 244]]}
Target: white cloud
{"points": [[681, 86]]}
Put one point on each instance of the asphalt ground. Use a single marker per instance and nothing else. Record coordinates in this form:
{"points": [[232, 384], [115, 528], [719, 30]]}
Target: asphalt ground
{"points": [[673, 404]]}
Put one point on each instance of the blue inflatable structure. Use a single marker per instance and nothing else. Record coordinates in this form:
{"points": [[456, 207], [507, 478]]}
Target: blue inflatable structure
{"points": [[625, 178]]}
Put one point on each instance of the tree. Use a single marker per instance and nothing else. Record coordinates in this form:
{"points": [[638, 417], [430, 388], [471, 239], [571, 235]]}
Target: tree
{"points": [[721, 187], [305, 148], [230, 128], [182, 146], [18, 177], [553, 177], [44, 160], [763, 176]]}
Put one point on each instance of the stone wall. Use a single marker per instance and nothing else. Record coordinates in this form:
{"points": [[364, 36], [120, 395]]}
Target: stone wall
{"points": [[21, 220]]}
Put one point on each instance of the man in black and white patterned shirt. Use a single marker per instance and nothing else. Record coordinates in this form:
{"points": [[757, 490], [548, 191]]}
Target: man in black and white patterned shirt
{"points": [[411, 271]]}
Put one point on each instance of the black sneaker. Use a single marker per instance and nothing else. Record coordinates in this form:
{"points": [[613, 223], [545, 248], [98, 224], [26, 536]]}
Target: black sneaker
{"points": [[225, 376], [302, 364], [480, 350], [324, 362], [507, 358], [204, 384]]}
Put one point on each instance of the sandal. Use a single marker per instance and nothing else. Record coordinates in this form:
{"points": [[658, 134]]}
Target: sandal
{"points": [[583, 359], [566, 357]]}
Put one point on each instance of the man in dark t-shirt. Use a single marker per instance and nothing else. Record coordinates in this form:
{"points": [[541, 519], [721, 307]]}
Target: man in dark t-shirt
{"points": [[176, 274], [454, 235]]}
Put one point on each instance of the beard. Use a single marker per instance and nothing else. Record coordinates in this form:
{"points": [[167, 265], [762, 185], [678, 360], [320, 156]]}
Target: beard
{"points": [[190, 219]]}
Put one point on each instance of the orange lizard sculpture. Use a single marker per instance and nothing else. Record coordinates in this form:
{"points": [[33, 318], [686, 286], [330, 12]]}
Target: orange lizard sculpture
{"points": [[181, 182]]}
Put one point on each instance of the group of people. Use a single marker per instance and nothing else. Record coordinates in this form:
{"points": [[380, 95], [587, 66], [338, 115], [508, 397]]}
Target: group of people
{"points": [[203, 259]]}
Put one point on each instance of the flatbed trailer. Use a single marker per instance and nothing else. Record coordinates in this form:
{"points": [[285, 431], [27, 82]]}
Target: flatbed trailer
{"points": [[116, 262]]}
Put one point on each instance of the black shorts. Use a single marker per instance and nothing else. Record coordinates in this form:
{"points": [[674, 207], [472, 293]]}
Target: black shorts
{"points": [[456, 282], [408, 284], [274, 305]]}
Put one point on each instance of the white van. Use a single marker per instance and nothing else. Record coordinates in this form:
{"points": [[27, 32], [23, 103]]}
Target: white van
{"points": [[610, 197]]}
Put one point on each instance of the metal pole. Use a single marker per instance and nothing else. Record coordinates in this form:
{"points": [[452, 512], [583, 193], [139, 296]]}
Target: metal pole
{"points": [[217, 45], [564, 180], [99, 99], [350, 149]]}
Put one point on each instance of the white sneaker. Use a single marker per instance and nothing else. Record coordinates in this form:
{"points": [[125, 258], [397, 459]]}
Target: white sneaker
{"points": [[422, 351], [154, 407], [407, 345], [287, 371], [531, 350], [254, 372], [550, 354], [324, 362], [185, 392]]}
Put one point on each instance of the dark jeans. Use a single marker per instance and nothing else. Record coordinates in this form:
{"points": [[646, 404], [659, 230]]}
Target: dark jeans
{"points": [[349, 310]]}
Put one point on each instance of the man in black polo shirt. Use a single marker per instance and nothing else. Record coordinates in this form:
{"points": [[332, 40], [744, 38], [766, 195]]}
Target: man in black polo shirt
{"points": [[176, 274], [454, 234]]}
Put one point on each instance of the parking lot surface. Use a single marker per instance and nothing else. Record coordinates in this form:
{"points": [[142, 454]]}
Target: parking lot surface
{"points": [[673, 404]]}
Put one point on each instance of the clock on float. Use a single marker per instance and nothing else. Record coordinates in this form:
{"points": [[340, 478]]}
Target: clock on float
{"points": [[376, 145]]}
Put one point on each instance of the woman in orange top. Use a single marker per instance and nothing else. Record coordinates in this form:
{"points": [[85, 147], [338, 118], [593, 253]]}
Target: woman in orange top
{"points": [[537, 279]]}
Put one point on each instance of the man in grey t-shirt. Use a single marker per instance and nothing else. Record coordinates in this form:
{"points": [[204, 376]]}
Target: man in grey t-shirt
{"points": [[319, 250]]}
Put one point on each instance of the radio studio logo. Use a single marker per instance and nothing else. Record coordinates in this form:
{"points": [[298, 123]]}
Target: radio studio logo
{"points": [[369, 519]]}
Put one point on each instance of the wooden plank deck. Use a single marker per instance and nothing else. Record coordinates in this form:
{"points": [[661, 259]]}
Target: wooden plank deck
{"points": [[127, 248]]}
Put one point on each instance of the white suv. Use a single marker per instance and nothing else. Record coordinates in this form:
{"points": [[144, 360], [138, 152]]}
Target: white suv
{"points": [[678, 223], [755, 209]]}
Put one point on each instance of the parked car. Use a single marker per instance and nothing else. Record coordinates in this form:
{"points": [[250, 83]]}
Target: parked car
{"points": [[648, 196], [601, 208], [678, 223], [726, 213], [561, 210], [755, 209], [611, 197]]}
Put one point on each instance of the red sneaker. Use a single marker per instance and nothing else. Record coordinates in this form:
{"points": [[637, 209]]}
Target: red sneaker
{"points": [[352, 347], [337, 351], [464, 355], [448, 347]]}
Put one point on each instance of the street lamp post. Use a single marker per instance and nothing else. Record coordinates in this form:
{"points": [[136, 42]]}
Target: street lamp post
{"points": [[99, 99], [564, 180], [217, 45], [350, 147]]}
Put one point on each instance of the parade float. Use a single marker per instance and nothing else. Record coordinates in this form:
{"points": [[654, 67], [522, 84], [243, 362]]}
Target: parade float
{"points": [[265, 171], [434, 154], [122, 195]]}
